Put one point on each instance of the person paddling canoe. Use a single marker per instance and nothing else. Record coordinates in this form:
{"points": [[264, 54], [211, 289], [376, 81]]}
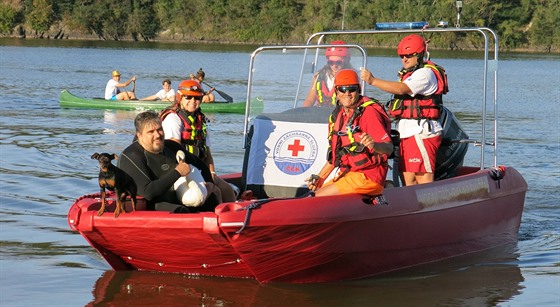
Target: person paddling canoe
{"points": [[208, 96], [115, 90]]}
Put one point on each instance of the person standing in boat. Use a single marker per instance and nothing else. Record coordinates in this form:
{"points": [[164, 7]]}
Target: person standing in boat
{"points": [[322, 92], [115, 90], [185, 124], [165, 94], [359, 142], [416, 105], [151, 161], [208, 96]]}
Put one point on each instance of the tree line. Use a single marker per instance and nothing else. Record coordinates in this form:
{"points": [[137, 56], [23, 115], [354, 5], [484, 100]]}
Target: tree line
{"points": [[521, 24]]}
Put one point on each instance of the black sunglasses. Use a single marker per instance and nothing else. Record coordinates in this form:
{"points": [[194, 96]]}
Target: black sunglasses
{"points": [[348, 88], [338, 63], [408, 56], [198, 98]]}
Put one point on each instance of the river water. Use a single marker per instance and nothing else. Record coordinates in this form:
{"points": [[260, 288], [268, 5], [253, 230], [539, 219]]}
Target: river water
{"points": [[45, 165]]}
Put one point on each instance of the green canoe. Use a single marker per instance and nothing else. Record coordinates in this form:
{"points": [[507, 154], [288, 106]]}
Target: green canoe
{"points": [[69, 100]]}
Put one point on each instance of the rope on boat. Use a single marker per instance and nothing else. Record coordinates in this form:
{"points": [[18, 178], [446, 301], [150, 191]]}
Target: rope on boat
{"points": [[258, 203], [209, 266], [249, 208]]}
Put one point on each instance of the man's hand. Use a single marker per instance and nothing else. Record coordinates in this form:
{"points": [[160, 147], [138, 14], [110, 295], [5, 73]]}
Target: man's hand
{"points": [[314, 182], [183, 168], [367, 141], [366, 75]]}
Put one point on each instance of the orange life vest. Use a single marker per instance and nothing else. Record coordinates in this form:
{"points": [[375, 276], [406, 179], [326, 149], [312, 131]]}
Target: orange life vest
{"points": [[345, 149], [193, 135], [418, 107]]}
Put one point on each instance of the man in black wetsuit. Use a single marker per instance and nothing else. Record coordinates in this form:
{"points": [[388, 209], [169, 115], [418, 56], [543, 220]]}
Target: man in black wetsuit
{"points": [[151, 161]]}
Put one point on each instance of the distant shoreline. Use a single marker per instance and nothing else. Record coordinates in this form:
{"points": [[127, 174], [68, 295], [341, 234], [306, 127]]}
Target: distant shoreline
{"points": [[169, 40]]}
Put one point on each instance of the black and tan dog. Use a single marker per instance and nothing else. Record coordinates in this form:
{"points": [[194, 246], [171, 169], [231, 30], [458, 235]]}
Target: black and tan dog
{"points": [[113, 178]]}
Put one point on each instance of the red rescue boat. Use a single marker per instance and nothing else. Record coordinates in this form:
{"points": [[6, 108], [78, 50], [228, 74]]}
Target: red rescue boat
{"points": [[284, 235]]}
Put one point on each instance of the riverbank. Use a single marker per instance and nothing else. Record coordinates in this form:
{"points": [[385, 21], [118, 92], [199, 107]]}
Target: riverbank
{"points": [[167, 38]]}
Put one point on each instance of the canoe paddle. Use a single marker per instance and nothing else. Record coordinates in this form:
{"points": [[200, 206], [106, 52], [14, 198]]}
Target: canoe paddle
{"points": [[224, 95]]}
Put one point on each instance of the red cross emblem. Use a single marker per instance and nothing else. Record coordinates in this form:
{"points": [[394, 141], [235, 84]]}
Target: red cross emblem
{"points": [[296, 148]]}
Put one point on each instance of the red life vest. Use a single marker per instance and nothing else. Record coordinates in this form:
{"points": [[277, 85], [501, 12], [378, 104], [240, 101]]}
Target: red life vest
{"points": [[193, 135], [325, 97], [345, 150], [418, 107]]}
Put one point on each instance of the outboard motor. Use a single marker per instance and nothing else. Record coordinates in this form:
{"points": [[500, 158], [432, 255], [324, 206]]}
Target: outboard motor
{"points": [[451, 152]]}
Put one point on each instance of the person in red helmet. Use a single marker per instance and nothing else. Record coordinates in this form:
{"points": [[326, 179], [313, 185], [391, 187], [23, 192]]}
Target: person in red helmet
{"points": [[359, 142], [322, 91], [185, 123], [416, 106]]}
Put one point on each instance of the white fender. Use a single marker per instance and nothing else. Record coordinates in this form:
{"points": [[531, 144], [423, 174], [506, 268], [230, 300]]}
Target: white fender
{"points": [[191, 190]]}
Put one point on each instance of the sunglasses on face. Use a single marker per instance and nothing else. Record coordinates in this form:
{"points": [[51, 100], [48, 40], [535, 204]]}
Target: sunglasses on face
{"points": [[348, 88], [197, 98], [332, 63], [408, 56]]}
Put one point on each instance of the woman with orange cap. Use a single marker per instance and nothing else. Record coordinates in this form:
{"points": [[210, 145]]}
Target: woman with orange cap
{"points": [[186, 124], [416, 106], [360, 142], [322, 91]]}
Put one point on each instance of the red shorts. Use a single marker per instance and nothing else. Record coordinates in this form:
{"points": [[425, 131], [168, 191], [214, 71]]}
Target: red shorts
{"points": [[419, 155]]}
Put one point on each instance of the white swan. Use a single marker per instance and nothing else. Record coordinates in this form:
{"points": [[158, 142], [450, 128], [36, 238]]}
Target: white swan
{"points": [[191, 189]]}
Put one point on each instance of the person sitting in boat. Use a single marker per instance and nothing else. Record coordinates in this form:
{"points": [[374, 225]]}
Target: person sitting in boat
{"points": [[359, 142], [322, 92], [152, 162], [115, 90], [165, 94], [416, 106], [185, 124], [208, 96]]}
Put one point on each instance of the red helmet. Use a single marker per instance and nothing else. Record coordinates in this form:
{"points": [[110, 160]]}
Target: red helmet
{"points": [[337, 51], [346, 77], [410, 44], [189, 88]]}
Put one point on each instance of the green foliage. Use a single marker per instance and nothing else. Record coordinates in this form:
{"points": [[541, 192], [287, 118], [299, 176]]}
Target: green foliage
{"points": [[520, 23], [41, 16], [143, 21], [8, 18], [543, 30]]}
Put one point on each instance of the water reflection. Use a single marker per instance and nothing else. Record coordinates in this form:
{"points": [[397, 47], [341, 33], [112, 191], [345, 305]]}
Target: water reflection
{"points": [[463, 287]]}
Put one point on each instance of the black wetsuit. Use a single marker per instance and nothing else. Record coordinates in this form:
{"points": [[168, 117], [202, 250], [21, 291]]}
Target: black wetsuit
{"points": [[155, 174]]}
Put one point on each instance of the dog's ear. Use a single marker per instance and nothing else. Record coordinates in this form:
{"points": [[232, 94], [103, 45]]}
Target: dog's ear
{"points": [[95, 156], [115, 157]]}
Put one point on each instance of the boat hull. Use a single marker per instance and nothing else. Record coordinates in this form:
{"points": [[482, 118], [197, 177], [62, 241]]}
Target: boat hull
{"points": [[314, 239], [156, 241], [69, 100]]}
